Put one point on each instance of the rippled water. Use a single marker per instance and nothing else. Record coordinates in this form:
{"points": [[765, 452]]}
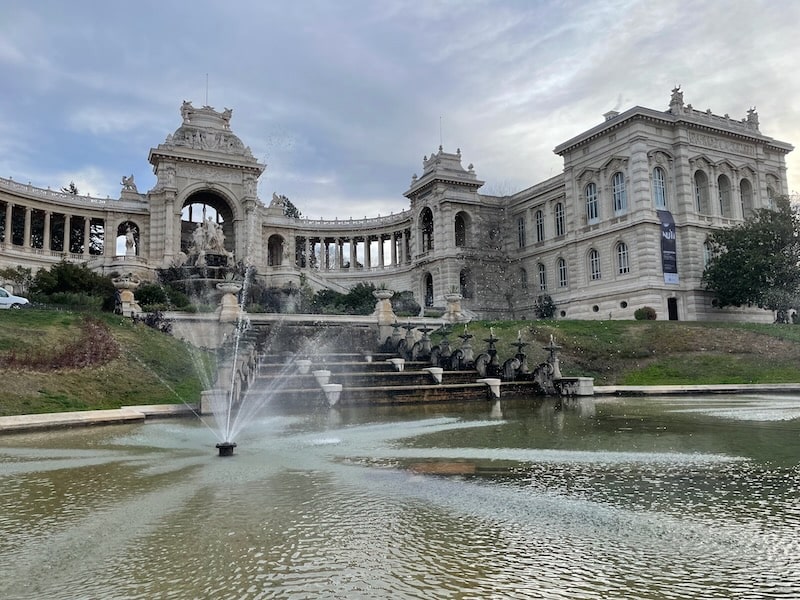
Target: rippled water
{"points": [[635, 499]]}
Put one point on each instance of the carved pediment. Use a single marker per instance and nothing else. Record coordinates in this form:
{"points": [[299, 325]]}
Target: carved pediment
{"points": [[700, 162], [588, 175], [659, 157], [725, 166], [616, 163]]}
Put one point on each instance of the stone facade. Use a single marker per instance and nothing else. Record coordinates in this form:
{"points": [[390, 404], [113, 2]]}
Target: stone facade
{"points": [[592, 237]]}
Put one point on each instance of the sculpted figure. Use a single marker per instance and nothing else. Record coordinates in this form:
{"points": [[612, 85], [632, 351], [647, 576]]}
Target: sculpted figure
{"points": [[186, 109], [128, 184], [226, 117], [130, 243], [752, 118]]}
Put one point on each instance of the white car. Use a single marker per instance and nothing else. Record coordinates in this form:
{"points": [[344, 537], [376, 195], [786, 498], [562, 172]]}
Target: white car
{"points": [[8, 300]]}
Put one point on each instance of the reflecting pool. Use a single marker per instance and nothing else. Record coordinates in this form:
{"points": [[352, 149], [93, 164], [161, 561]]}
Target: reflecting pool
{"points": [[615, 498]]}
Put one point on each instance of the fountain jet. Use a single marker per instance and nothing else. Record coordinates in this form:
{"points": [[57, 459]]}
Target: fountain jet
{"points": [[226, 448]]}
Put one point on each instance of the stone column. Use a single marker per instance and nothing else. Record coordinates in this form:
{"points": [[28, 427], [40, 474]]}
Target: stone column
{"points": [[46, 234], [86, 222], [9, 216], [367, 253], [26, 236], [404, 247], [380, 251], [67, 226], [353, 253]]}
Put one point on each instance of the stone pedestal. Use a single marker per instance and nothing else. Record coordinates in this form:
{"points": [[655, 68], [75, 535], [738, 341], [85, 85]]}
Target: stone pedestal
{"points": [[126, 303], [229, 309], [384, 313], [453, 313]]}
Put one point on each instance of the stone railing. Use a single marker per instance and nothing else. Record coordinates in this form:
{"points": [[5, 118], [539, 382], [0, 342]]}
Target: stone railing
{"points": [[368, 223], [60, 197]]}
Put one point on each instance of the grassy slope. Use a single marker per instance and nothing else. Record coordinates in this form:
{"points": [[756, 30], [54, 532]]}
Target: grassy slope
{"points": [[658, 352], [153, 368]]}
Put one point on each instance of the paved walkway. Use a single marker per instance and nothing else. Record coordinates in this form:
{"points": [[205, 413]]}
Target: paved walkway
{"points": [[685, 390], [126, 414]]}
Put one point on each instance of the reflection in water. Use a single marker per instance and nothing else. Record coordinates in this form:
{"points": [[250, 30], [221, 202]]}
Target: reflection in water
{"points": [[651, 499]]}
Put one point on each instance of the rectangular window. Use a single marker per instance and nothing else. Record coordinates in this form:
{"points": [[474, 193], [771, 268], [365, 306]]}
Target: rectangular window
{"points": [[560, 222], [592, 214], [620, 195], [521, 232], [539, 226]]}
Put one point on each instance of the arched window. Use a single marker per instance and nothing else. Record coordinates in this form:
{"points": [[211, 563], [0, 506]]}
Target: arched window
{"points": [[460, 227], [592, 212], [724, 185], [275, 250], [560, 222], [707, 254], [623, 264], [594, 265], [428, 283], [701, 192], [542, 277], [426, 229], [619, 193], [523, 279], [562, 273], [539, 226], [659, 188], [770, 198], [746, 190], [521, 232]]}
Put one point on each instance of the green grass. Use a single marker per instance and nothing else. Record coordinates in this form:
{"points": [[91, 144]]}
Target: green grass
{"points": [[654, 352], [152, 368]]}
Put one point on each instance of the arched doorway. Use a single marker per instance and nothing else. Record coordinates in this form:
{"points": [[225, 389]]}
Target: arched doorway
{"points": [[428, 285], [204, 206]]}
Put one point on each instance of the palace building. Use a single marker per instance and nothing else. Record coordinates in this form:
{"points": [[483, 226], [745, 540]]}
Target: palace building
{"points": [[625, 224]]}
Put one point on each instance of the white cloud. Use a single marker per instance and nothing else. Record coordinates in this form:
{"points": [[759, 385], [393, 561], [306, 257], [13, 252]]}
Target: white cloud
{"points": [[341, 100]]}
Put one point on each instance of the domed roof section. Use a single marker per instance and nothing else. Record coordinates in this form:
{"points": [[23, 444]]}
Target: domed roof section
{"points": [[207, 130]]}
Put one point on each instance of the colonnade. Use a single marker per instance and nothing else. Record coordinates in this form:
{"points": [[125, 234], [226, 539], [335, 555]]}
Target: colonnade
{"points": [[48, 231], [365, 251]]}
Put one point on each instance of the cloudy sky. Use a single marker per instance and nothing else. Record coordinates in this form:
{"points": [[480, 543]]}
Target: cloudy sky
{"points": [[342, 98]]}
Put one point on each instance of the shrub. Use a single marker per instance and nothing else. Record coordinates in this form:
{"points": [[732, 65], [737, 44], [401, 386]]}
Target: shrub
{"points": [[544, 308], [69, 278], [151, 294], [645, 313], [404, 305]]}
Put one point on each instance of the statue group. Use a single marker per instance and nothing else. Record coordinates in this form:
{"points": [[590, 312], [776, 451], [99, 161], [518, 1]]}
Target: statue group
{"points": [[208, 240]]}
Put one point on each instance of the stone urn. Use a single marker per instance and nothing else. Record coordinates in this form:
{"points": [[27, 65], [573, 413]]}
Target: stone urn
{"points": [[229, 304], [383, 307], [453, 313], [126, 304]]}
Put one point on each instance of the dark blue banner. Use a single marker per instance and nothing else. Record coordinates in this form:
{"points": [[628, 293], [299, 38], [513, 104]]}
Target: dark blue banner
{"points": [[669, 254]]}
